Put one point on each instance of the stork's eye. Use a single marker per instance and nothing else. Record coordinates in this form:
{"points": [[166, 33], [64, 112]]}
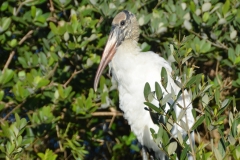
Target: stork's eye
{"points": [[122, 23]]}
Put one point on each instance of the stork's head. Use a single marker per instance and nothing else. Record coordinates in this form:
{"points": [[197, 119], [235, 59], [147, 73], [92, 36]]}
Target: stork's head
{"points": [[124, 27]]}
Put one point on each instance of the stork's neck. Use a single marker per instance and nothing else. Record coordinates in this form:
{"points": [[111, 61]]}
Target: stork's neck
{"points": [[125, 54], [128, 46], [125, 59]]}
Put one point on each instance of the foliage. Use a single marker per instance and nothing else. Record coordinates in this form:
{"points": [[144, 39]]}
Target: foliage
{"points": [[49, 54]]}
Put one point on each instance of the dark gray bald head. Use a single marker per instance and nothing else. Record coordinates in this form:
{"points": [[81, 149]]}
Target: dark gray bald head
{"points": [[127, 24]]}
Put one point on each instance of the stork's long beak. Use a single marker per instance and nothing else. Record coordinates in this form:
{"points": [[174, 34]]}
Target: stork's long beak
{"points": [[108, 53]]}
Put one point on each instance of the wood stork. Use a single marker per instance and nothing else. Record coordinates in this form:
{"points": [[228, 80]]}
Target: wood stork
{"points": [[132, 68]]}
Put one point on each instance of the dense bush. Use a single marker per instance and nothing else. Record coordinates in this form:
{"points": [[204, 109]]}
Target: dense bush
{"points": [[49, 53]]}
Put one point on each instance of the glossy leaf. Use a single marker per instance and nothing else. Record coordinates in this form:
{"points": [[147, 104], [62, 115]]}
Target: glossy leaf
{"points": [[147, 91], [198, 122]]}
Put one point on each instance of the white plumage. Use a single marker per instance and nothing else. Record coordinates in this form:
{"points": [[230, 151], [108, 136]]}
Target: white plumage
{"points": [[132, 68]]}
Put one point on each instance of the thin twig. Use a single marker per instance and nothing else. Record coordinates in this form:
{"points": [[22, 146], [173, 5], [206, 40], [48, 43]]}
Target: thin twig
{"points": [[25, 37], [51, 6], [113, 110], [73, 74], [18, 9], [51, 73], [58, 134], [185, 107], [7, 105], [9, 113], [20, 6], [13, 52], [98, 140], [107, 114], [222, 46], [8, 61]]}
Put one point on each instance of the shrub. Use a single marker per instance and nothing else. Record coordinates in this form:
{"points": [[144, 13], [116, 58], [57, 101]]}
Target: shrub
{"points": [[49, 54]]}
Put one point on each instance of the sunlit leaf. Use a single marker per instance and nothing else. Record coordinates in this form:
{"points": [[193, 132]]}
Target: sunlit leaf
{"points": [[172, 148], [147, 91]]}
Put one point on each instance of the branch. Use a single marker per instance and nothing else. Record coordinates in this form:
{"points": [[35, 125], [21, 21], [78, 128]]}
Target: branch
{"points": [[117, 113], [51, 6], [9, 113], [73, 74], [8, 61], [220, 45], [25, 37], [51, 73], [114, 111], [20, 6], [186, 119], [13, 52]]}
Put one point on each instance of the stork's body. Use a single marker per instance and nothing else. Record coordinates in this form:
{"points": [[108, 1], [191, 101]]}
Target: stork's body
{"points": [[132, 68]]}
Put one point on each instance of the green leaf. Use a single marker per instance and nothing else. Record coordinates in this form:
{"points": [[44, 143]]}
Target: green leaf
{"points": [[49, 155], [172, 148], [61, 91], [13, 43], [135, 148], [42, 82], [6, 76], [184, 152], [33, 11], [217, 154], [197, 18], [225, 103], [164, 77], [205, 47], [226, 7], [23, 62], [117, 146], [35, 2], [1, 95], [234, 128], [4, 6], [10, 147], [236, 152], [231, 140], [237, 60], [22, 75], [53, 28], [186, 59], [231, 55], [41, 19], [198, 122], [165, 138], [152, 106], [5, 23], [43, 58], [179, 135], [191, 81], [181, 114], [145, 47], [158, 91], [217, 96], [206, 16], [159, 135], [151, 96], [147, 91], [166, 99], [237, 50]]}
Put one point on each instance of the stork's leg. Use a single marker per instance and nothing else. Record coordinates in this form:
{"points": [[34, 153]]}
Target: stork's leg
{"points": [[144, 154]]}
